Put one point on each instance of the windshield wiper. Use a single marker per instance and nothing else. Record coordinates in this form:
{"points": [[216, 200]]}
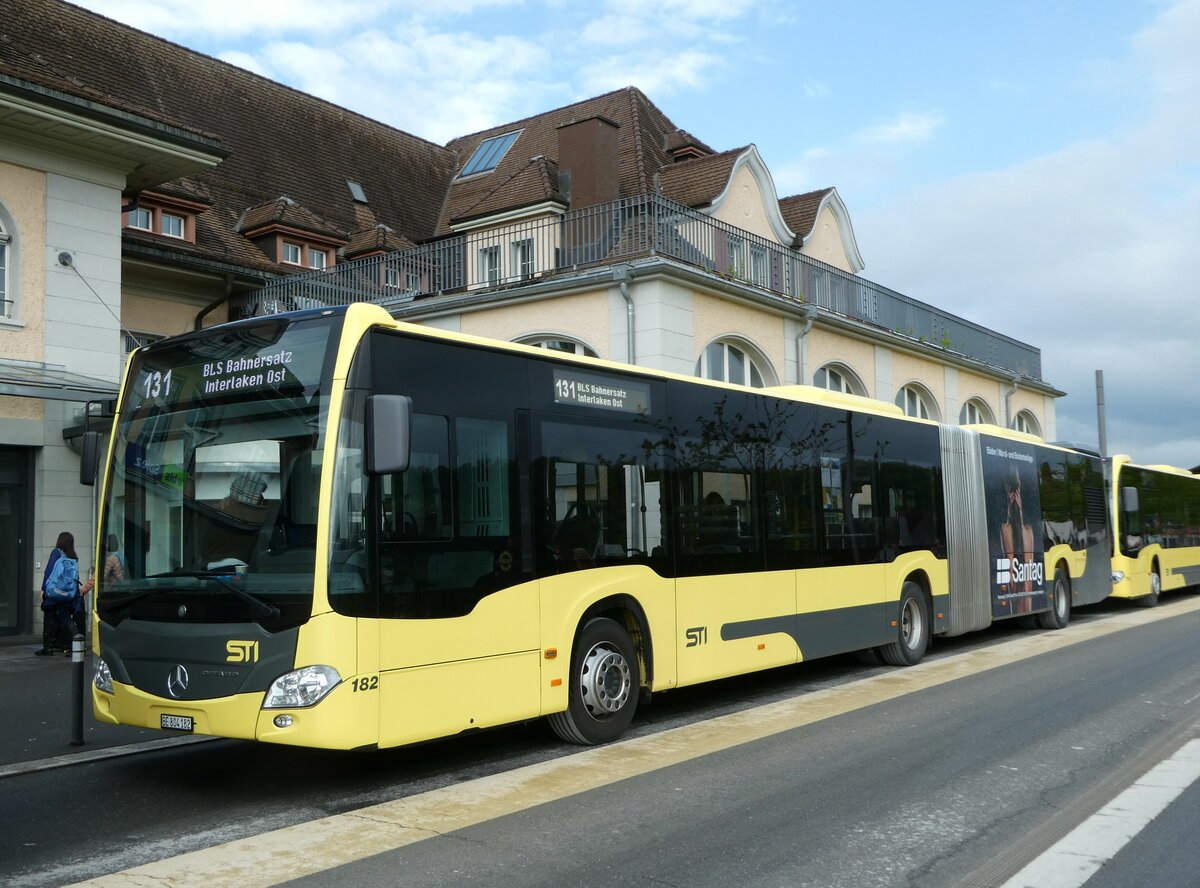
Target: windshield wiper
{"points": [[261, 607]]}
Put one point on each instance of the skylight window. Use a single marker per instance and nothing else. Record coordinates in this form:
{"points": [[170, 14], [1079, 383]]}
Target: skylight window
{"points": [[489, 153], [356, 191]]}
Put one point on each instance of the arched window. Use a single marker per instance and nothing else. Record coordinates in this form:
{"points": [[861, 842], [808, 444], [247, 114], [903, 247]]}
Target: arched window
{"points": [[560, 344], [915, 400], [8, 272], [1026, 422], [728, 362], [839, 378], [974, 411]]}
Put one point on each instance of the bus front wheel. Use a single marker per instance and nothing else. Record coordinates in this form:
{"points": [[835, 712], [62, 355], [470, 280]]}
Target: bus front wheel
{"points": [[604, 685], [912, 628], [1151, 600]]}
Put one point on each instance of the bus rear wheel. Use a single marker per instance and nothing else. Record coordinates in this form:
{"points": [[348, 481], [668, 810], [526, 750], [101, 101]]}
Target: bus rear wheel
{"points": [[1060, 604], [604, 685], [912, 628], [1151, 600]]}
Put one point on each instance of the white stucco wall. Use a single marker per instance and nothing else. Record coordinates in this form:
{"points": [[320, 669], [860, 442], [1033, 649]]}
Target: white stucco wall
{"points": [[825, 242], [744, 205]]}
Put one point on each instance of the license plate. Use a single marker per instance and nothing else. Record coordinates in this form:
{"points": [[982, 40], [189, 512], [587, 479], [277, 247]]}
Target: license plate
{"points": [[175, 722]]}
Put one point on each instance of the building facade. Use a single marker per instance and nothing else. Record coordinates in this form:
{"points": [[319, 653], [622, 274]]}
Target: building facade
{"points": [[146, 190]]}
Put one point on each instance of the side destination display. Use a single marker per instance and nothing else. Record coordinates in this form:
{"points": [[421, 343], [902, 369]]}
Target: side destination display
{"points": [[583, 389]]}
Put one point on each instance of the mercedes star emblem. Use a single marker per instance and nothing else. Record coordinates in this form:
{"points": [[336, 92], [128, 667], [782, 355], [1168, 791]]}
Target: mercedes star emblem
{"points": [[177, 681]]}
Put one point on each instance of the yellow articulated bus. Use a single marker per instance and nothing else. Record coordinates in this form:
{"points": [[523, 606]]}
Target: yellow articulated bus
{"points": [[341, 531], [1156, 515]]}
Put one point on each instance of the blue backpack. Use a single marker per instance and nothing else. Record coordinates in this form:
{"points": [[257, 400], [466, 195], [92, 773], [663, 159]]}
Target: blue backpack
{"points": [[63, 582]]}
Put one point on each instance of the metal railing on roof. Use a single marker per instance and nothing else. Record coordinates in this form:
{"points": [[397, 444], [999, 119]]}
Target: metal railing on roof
{"points": [[623, 231]]}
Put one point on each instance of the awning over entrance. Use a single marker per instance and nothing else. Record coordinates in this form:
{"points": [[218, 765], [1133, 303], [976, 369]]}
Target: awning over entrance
{"points": [[33, 379]]}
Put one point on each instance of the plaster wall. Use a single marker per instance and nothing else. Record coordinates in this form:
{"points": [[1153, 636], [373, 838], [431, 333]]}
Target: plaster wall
{"points": [[720, 319], [744, 206], [825, 242], [23, 196], [826, 346], [582, 317]]}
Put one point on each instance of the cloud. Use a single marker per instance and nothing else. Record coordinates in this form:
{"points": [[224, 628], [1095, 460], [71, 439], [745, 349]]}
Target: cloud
{"points": [[435, 84], [627, 22], [904, 129], [173, 18], [1086, 252], [656, 74], [238, 18]]}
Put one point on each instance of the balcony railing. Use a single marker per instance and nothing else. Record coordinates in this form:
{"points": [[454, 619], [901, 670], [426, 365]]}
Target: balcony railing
{"points": [[623, 231]]}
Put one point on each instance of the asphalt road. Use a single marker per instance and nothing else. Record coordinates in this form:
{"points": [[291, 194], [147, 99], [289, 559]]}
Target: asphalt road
{"points": [[960, 783]]}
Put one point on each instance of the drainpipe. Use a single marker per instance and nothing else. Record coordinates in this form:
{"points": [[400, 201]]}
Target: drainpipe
{"points": [[215, 304], [621, 276], [809, 314], [1016, 384]]}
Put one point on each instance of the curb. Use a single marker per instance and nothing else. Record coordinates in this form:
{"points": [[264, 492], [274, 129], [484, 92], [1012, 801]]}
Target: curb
{"points": [[80, 758]]}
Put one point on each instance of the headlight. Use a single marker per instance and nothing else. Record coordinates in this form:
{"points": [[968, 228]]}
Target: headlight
{"points": [[304, 687], [103, 677], [1117, 576]]}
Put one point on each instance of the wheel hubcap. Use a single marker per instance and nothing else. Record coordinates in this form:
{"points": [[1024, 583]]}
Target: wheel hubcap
{"points": [[1060, 599], [605, 681], [910, 624], [1155, 584]]}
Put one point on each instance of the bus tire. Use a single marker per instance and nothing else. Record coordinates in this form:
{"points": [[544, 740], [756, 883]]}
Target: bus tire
{"points": [[1060, 604], [1152, 599], [604, 685], [912, 628]]}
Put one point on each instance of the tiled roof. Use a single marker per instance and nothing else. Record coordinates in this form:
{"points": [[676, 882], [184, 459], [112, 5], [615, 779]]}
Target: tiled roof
{"points": [[683, 139], [281, 141], [285, 211], [535, 182], [698, 182], [641, 150], [375, 239], [800, 211]]}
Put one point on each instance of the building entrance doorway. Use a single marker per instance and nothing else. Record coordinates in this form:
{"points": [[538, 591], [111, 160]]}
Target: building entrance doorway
{"points": [[16, 535]]}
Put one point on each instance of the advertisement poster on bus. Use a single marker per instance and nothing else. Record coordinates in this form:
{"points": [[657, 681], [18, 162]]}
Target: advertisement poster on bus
{"points": [[1014, 516]]}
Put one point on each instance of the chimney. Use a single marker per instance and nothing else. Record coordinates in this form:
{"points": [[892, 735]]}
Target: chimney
{"points": [[587, 161]]}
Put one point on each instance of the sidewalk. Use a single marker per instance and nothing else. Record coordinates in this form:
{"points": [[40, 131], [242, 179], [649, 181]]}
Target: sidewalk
{"points": [[35, 707]]}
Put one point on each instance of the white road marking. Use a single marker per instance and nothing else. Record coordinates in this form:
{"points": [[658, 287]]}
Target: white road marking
{"points": [[1080, 853]]}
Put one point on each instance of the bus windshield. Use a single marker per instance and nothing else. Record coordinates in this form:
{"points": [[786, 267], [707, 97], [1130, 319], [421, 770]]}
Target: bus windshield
{"points": [[211, 509]]}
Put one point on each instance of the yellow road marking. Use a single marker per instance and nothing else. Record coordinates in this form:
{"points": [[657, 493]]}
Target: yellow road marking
{"points": [[291, 852]]}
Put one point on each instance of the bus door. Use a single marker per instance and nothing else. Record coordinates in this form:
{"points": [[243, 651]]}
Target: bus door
{"points": [[458, 629]]}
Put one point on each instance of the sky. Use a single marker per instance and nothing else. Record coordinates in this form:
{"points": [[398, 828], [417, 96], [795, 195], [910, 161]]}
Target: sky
{"points": [[1031, 166]]}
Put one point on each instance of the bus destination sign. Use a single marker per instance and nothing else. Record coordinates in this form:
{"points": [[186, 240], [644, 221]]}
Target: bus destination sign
{"points": [[281, 360], [582, 389]]}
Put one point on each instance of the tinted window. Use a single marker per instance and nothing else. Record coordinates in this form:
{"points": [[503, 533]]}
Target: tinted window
{"points": [[601, 494]]}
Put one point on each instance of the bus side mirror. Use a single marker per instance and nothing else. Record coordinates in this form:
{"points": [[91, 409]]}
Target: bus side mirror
{"points": [[1129, 499], [389, 431], [89, 459]]}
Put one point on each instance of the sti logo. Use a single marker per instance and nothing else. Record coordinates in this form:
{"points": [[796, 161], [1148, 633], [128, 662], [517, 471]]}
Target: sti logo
{"points": [[241, 651], [1003, 571]]}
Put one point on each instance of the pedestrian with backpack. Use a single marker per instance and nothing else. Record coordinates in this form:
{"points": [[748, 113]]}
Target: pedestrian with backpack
{"points": [[61, 596]]}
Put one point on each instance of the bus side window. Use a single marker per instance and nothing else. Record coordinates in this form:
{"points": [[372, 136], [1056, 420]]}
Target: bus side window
{"points": [[413, 504], [600, 501]]}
